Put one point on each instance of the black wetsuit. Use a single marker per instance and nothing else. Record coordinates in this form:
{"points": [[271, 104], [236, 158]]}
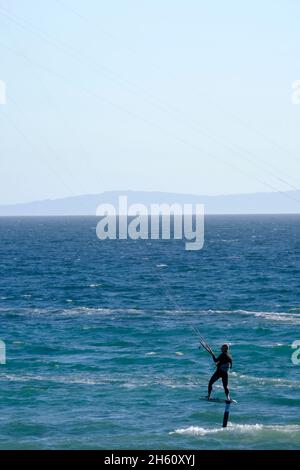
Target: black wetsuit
{"points": [[224, 361]]}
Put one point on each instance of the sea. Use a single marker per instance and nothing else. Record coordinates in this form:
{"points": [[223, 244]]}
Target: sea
{"points": [[101, 337]]}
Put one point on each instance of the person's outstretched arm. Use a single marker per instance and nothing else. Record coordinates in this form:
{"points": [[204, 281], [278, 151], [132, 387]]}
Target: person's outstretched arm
{"points": [[216, 359]]}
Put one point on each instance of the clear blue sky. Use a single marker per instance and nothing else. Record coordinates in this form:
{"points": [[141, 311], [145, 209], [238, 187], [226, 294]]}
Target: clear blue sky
{"points": [[154, 95]]}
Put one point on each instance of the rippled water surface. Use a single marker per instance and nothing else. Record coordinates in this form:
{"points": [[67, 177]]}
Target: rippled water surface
{"points": [[101, 352]]}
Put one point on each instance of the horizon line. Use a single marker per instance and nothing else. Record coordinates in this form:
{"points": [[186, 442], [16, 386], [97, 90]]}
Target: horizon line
{"points": [[150, 192]]}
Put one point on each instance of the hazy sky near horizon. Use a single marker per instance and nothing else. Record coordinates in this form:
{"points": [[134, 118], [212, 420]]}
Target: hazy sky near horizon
{"points": [[191, 97]]}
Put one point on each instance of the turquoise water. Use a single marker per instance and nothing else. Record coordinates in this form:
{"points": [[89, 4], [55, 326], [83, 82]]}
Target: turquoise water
{"points": [[100, 347]]}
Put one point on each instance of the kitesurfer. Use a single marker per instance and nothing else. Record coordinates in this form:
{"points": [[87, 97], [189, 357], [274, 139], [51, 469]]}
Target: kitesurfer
{"points": [[223, 363]]}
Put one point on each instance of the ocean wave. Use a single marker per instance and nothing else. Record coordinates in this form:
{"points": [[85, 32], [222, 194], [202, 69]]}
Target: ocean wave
{"points": [[268, 380], [293, 318], [270, 316], [292, 429], [153, 353], [295, 309], [283, 317], [55, 379], [122, 382], [187, 382], [100, 310], [74, 311]]}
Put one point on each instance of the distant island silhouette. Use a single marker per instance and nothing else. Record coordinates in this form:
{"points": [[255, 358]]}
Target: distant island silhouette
{"points": [[256, 203]]}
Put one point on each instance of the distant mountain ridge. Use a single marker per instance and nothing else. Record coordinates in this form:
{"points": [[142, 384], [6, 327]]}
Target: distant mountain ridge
{"points": [[256, 203]]}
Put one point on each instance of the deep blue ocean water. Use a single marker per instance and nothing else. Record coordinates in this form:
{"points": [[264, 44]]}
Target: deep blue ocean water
{"points": [[101, 352]]}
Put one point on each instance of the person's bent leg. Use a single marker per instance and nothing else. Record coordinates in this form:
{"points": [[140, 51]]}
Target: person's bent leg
{"points": [[225, 383], [213, 379]]}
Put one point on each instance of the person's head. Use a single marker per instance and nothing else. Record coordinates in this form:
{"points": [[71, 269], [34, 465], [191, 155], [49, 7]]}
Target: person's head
{"points": [[224, 347]]}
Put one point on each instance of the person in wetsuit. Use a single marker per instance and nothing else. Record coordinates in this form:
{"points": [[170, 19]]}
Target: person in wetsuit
{"points": [[223, 363]]}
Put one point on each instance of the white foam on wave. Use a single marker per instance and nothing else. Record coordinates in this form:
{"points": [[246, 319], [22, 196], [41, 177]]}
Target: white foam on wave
{"points": [[293, 318], [123, 382], [161, 381], [189, 382], [74, 311], [57, 379], [273, 316], [239, 429], [270, 316], [283, 317], [275, 381], [99, 311]]}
